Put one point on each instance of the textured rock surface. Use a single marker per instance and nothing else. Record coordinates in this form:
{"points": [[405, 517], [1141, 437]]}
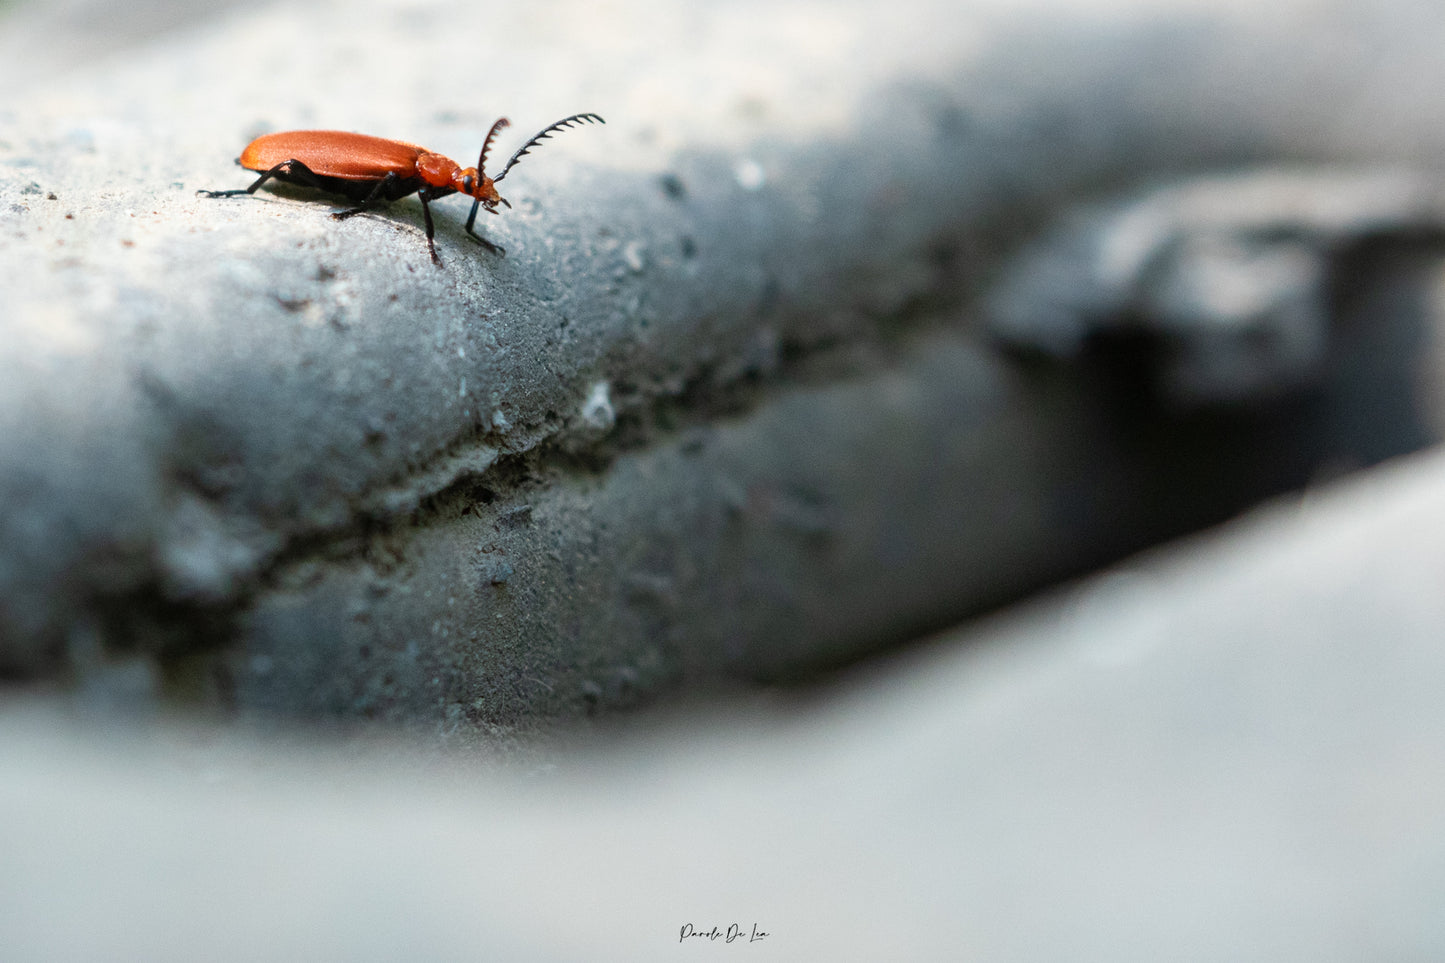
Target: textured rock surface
{"points": [[257, 458]]}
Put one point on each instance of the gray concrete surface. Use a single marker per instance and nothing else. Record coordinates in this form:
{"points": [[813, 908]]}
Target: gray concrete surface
{"points": [[1230, 750], [732, 407], [256, 459]]}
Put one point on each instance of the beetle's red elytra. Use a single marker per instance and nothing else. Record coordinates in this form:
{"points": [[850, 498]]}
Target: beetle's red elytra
{"points": [[374, 170]]}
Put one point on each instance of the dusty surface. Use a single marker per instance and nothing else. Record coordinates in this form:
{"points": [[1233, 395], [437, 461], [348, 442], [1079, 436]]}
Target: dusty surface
{"points": [[295, 467], [260, 459]]}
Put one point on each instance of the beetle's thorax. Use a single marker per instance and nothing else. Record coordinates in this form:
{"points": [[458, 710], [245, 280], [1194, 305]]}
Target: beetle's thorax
{"points": [[436, 170]]}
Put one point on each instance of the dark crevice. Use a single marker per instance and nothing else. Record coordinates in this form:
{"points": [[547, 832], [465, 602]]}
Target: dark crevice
{"points": [[1224, 459], [175, 631]]}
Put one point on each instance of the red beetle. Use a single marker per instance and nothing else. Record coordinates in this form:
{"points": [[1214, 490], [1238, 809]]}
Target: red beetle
{"points": [[374, 170]]}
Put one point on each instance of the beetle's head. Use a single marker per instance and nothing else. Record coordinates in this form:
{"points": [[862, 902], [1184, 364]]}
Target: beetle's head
{"points": [[475, 184]]}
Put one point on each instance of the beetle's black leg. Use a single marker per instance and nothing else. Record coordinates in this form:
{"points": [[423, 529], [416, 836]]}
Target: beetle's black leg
{"points": [[472, 219], [293, 170], [378, 195], [496, 249], [430, 229]]}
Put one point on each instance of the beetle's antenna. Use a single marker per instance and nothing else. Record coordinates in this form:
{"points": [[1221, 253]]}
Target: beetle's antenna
{"points": [[482, 166], [544, 134], [487, 144]]}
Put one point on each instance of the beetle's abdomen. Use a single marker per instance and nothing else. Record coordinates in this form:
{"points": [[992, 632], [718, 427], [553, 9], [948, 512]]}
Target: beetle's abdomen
{"points": [[334, 153]]}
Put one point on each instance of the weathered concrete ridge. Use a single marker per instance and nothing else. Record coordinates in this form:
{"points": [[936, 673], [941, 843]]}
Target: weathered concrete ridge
{"points": [[224, 419]]}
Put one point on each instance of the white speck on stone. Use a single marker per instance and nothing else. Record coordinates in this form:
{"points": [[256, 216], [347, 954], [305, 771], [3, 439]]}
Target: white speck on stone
{"points": [[461, 352], [750, 175], [597, 410], [632, 254], [499, 421], [202, 556]]}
